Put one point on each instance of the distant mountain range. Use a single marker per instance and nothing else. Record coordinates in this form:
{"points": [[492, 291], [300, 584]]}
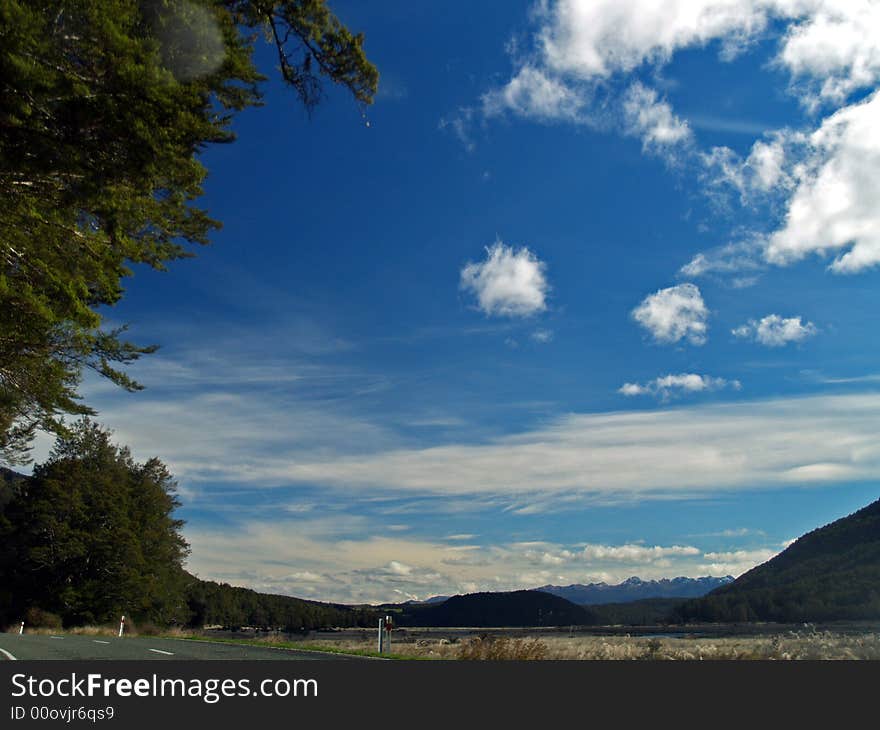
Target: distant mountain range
{"points": [[636, 589], [829, 574]]}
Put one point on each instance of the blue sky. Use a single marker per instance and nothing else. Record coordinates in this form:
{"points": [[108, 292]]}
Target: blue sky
{"points": [[591, 291]]}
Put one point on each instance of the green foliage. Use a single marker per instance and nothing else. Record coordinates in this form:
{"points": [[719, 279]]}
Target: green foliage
{"points": [[829, 574], [92, 535], [105, 106]]}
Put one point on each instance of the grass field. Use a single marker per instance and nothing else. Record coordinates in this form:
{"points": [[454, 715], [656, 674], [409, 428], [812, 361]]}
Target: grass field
{"points": [[463, 644], [474, 644]]}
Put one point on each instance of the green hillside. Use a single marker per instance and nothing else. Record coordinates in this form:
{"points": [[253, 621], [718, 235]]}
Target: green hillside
{"points": [[829, 574]]}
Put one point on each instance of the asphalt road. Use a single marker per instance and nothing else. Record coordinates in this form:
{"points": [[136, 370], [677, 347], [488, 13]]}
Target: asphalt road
{"points": [[34, 646]]}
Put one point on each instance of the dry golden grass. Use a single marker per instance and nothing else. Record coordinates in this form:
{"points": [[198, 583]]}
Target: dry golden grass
{"points": [[783, 646], [441, 644], [502, 648], [130, 630]]}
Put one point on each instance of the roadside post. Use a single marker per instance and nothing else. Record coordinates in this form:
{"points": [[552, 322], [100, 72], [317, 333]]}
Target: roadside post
{"points": [[385, 626], [21, 629], [121, 625]]}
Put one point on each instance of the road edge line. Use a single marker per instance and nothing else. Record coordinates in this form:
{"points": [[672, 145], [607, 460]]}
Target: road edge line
{"points": [[8, 655]]}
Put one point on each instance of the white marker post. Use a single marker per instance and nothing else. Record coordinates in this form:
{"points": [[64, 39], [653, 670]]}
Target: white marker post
{"points": [[21, 629], [381, 634], [121, 625], [389, 623]]}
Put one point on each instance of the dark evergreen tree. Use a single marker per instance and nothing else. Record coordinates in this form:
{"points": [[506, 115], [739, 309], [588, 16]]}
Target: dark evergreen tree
{"points": [[105, 106], [92, 535]]}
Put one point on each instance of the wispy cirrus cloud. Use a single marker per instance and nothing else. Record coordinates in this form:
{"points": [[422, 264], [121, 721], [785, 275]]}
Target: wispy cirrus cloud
{"points": [[269, 437]]}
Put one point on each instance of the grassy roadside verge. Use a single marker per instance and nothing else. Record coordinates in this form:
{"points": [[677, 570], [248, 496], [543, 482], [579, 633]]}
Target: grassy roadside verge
{"points": [[301, 647]]}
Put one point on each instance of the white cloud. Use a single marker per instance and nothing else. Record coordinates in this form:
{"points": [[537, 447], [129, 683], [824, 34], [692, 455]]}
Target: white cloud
{"points": [[667, 386], [732, 258], [578, 67], [828, 45], [509, 282], [615, 456], [674, 314], [835, 49], [459, 123], [735, 562], [764, 173], [319, 561], [270, 438], [598, 38], [652, 120], [630, 553], [776, 331], [835, 206], [542, 336], [533, 94]]}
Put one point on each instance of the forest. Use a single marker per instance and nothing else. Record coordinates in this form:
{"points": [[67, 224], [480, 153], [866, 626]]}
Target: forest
{"points": [[93, 535]]}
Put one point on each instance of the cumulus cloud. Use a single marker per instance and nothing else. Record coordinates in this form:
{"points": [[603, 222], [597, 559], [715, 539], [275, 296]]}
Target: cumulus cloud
{"points": [[652, 120], [834, 49], [668, 386], [635, 553], [827, 45], [766, 172], [533, 94], [598, 38], [776, 331], [579, 66], [674, 314], [835, 207], [825, 186], [509, 282]]}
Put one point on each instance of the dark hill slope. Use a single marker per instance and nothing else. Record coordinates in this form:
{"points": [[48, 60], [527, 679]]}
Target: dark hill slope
{"points": [[211, 603], [829, 574], [516, 608]]}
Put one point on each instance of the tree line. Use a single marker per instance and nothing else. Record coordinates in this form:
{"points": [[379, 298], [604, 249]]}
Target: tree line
{"points": [[93, 535]]}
